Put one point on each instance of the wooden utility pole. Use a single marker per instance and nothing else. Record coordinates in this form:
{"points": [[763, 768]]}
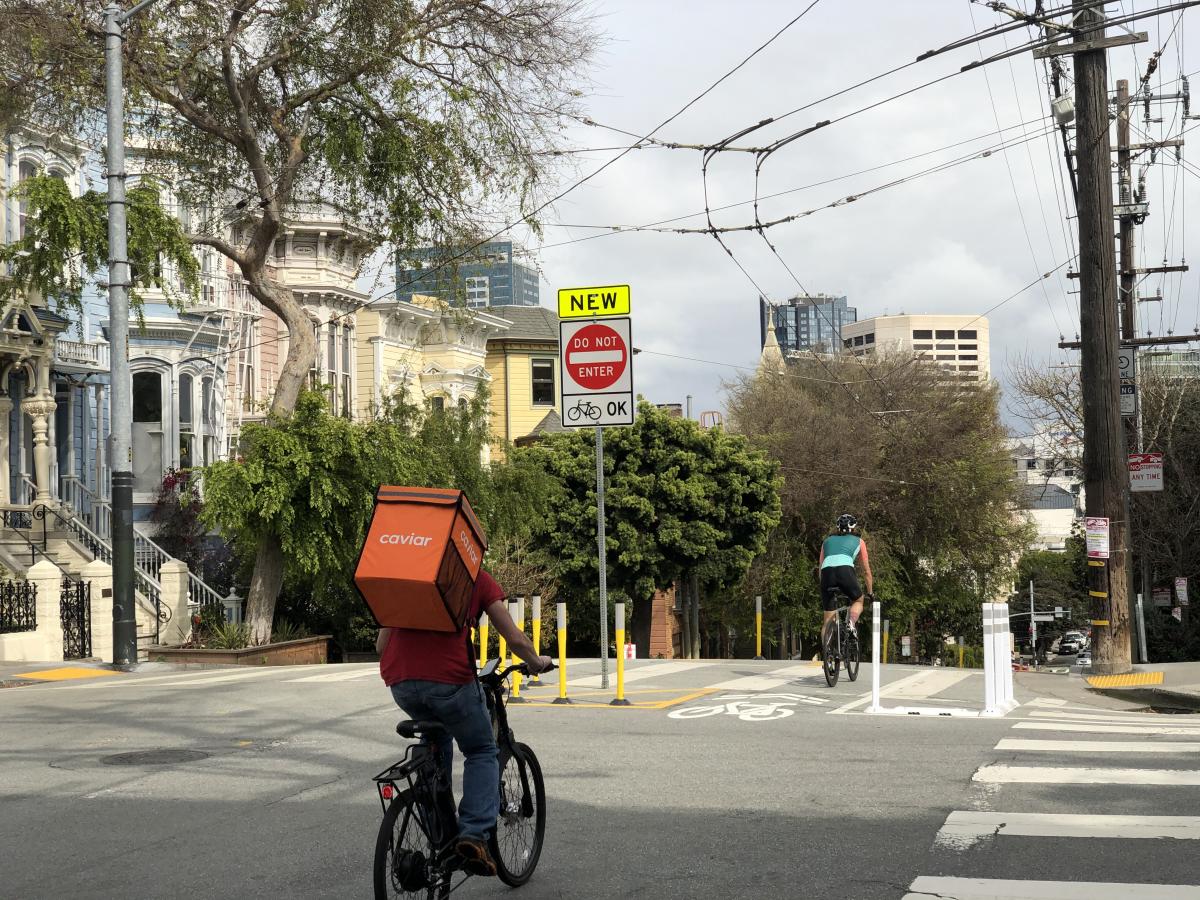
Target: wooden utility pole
{"points": [[1105, 465]]}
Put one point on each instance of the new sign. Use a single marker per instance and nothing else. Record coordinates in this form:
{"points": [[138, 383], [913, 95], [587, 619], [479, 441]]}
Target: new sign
{"points": [[1145, 471], [580, 303], [597, 372]]}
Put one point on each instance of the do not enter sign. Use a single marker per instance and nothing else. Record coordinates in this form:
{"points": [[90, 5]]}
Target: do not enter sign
{"points": [[596, 357], [597, 373]]}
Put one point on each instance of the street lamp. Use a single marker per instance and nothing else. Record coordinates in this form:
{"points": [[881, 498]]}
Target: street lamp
{"points": [[121, 410]]}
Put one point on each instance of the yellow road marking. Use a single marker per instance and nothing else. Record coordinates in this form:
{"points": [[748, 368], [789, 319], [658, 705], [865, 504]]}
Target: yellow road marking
{"points": [[1131, 680], [67, 673]]}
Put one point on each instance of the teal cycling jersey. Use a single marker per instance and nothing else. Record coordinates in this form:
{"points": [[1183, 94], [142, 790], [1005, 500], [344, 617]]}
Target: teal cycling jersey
{"points": [[841, 550]]}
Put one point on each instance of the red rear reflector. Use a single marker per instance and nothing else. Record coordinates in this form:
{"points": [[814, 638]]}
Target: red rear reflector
{"points": [[387, 792]]}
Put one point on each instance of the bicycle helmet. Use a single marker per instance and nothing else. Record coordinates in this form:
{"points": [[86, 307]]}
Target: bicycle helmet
{"points": [[846, 523]]}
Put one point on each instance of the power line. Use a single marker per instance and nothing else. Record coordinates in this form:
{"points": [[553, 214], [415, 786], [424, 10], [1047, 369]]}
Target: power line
{"points": [[1013, 183]]}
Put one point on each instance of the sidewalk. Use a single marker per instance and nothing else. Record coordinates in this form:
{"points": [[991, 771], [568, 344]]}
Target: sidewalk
{"points": [[1171, 685]]}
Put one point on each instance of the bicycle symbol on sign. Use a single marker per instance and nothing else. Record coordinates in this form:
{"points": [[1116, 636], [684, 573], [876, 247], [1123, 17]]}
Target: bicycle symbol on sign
{"points": [[748, 707], [584, 409]]}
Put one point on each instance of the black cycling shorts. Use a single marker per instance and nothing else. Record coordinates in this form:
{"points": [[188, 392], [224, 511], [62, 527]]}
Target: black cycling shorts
{"points": [[839, 578]]}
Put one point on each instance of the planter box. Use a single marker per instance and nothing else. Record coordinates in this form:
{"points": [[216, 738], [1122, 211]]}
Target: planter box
{"points": [[303, 652]]}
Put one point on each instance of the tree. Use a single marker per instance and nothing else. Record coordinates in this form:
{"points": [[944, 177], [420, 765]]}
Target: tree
{"points": [[65, 246], [930, 481], [1165, 532], [419, 121], [678, 499]]}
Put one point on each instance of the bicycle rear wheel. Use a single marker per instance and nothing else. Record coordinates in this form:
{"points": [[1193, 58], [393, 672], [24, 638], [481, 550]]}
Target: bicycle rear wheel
{"points": [[405, 858], [829, 660], [850, 654], [516, 844]]}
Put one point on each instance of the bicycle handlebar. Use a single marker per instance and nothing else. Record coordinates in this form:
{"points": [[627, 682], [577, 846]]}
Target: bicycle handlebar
{"points": [[522, 668]]}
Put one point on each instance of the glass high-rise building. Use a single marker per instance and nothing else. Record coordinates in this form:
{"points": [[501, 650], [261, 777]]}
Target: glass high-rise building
{"points": [[807, 323], [486, 276]]}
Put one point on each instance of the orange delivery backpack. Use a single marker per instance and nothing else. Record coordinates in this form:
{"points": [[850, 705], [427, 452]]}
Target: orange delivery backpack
{"points": [[422, 554]]}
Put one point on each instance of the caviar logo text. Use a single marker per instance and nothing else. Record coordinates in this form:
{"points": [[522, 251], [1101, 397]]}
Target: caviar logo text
{"points": [[468, 546], [415, 539]]}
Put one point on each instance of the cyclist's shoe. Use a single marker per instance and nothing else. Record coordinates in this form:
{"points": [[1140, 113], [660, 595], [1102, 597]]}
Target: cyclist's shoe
{"points": [[476, 860]]}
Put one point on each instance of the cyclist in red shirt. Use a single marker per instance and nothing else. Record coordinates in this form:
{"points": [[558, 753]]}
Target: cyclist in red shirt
{"points": [[432, 677]]}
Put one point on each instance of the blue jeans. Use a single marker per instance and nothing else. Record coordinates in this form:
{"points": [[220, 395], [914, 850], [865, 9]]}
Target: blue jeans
{"points": [[461, 709]]}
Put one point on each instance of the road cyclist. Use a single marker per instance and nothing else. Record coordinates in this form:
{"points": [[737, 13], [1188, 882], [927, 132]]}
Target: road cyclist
{"points": [[432, 677], [841, 553]]}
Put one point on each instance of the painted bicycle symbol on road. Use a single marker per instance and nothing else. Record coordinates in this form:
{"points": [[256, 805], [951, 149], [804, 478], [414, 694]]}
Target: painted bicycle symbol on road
{"points": [[748, 707]]}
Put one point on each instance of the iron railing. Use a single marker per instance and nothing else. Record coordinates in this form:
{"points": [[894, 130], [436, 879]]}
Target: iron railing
{"points": [[148, 556], [75, 611], [18, 606]]}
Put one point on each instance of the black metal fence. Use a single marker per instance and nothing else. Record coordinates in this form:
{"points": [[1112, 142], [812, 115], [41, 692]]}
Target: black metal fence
{"points": [[75, 607], [18, 606]]}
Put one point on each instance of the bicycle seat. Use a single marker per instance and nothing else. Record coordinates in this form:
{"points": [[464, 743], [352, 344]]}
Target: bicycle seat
{"points": [[415, 728]]}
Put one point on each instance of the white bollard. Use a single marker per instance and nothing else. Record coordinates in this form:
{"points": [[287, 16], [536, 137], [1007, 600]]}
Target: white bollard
{"points": [[1004, 659], [876, 664], [989, 660]]}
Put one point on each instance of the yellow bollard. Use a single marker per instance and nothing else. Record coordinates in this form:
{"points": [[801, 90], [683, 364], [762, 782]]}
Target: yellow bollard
{"points": [[503, 648], [961, 648], [885, 640], [537, 633], [620, 698], [562, 654], [516, 609], [758, 627], [483, 640]]}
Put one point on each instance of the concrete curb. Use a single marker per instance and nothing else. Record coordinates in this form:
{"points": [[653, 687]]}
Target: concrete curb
{"points": [[1152, 696]]}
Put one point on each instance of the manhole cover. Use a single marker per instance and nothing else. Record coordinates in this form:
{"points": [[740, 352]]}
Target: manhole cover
{"points": [[154, 758]]}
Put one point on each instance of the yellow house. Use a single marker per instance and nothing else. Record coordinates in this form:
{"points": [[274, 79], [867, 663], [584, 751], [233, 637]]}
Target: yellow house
{"points": [[522, 365], [423, 351]]}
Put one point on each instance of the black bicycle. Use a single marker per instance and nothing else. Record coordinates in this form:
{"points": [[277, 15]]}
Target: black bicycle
{"points": [[414, 854], [839, 645]]}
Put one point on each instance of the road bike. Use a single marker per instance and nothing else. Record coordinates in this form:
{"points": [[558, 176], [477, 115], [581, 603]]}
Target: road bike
{"points": [[839, 645], [584, 408], [414, 853]]}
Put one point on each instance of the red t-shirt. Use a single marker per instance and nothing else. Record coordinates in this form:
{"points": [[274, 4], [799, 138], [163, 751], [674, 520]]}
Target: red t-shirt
{"points": [[415, 654]]}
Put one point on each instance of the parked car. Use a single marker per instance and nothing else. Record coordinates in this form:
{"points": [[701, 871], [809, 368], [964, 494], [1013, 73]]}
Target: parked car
{"points": [[1071, 642]]}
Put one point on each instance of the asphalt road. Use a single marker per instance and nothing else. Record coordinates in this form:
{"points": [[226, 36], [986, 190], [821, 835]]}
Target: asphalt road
{"points": [[706, 789]]}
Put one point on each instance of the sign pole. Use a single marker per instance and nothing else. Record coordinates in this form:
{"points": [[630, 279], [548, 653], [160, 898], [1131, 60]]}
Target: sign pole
{"points": [[1032, 626], [603, 560]]}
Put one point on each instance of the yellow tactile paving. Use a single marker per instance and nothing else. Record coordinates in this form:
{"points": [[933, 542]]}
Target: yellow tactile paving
{"points": [[1133, 679], [67, 673]]}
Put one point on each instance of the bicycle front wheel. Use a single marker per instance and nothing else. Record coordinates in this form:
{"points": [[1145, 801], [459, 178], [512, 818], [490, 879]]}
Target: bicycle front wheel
{"points": [[516, 843], [405, 859], [850, 655], [829, 660]]}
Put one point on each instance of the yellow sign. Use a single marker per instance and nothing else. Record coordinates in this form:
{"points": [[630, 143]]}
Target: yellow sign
{"points": [[585, 302]]}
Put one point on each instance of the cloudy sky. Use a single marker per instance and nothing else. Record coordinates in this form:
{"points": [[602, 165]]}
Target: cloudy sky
{"points": [[957, 241]]}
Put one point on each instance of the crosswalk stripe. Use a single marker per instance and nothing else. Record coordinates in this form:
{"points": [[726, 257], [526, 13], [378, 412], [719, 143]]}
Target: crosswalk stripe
{"points": [[1105, 728], [1120, 718], [950, 888], [336, 676], [769, 681], [964, 828], [1098, 746], [934, 681], [641, 673], [221, 679], [1002, 774]]}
